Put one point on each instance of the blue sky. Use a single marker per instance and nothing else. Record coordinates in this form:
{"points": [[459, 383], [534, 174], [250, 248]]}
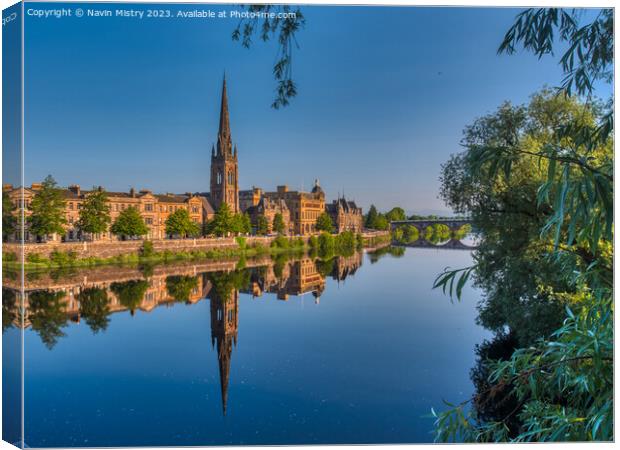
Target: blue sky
{"points": [[384, 94]]}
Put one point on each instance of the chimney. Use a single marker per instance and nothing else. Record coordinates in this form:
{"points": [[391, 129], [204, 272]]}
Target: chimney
{"points": [[132, 192], [282, 189], [75, 188], [36, 186]]}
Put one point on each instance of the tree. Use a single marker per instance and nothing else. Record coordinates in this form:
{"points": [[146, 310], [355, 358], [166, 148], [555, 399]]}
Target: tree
{"points": [[95, 213], [262, 226], [381, 223], [48, 210], [129, 224], [371, 217], [324, 223], [278, 224], [223, 222], [537, 181], [9, 221], [396, 213], [179, 223], [245, 223], [285, 23]]}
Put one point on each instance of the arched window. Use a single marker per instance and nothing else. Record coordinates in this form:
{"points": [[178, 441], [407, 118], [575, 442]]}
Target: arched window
{"points": [[219, 178]]}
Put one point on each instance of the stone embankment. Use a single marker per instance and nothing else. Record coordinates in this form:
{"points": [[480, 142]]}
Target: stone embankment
{"points": [[110, 249]]}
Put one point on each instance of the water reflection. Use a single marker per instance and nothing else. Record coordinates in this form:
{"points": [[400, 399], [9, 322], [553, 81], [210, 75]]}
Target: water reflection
{"points": [[90, 296]]}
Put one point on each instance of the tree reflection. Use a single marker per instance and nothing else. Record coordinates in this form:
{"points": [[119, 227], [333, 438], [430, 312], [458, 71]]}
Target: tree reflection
{"points": [[47, 315], [9, 308], [130, 293], [94, 308], [180, 287]]}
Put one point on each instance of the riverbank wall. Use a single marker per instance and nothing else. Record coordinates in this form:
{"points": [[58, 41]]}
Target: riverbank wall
{"points": [[111, 249]]}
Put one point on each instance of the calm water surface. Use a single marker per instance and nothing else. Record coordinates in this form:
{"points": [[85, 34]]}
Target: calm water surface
{"points": [[357, 352]]}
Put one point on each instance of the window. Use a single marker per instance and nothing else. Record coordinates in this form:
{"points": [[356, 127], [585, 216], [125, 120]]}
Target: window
{"points": [[148, 207], [219, 178], [70, 205], [195, 209], [148, 221]]}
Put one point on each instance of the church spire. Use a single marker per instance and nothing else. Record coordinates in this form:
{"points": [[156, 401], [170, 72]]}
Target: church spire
{"points": [[224, 137]]}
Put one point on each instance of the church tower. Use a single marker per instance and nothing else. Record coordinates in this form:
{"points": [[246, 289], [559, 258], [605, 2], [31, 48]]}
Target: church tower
{"points": [[224, 326], [224, 168]]}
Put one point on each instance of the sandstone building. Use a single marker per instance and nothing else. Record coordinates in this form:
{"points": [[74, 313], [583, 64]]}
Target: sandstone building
{"points": [[299, 210], [345, 215]]}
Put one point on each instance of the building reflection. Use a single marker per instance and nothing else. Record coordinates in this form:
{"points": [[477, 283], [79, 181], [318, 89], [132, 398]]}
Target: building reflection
{"points": [[52, 300]]}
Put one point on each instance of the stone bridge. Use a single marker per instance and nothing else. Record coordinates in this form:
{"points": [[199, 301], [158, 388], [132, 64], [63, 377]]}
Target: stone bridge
{"points": [[453, 224]]}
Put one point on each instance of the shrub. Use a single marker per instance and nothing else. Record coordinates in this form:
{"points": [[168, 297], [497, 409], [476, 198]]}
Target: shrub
{"points": [[280, 242], [36, 258], [63, 258], [241, 241], [9, 257], [327, 245], [313, 242], [147, 249]]}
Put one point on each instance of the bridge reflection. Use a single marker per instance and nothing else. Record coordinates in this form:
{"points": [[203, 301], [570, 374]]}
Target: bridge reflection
{"points": [[451, 244], [53, 300]]}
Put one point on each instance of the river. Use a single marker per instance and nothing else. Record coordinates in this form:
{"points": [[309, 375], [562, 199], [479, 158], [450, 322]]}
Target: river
{"points": [[354, 351]]}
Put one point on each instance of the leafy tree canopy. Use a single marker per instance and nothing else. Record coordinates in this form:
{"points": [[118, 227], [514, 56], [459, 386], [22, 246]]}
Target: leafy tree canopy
{"points": [[324, 223], [129, 223], [95, 212], [47, 210], [179, 223]]}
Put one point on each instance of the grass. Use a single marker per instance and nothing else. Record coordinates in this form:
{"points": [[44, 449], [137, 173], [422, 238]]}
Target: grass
{"points": [[58, 260]]}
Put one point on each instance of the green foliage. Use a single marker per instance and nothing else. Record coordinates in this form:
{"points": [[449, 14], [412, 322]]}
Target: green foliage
{"points": [[371, 217], [9, 221], [313, 242], [538, 183], [285, 28], [223, 222], [438, 232], [63, 259], [462, 232], [345, 243], [180, 287], [381, 223], [47, 210], [130, 293], [359, 241], [179, 223], [48, 316], [396, 213], [9, 257], [406, 234], [262, 226], [324, 223], [278, 224], [589, 54], [129, 224], [94, 308], [95, 213], [147, 249], [35, 258], [241, 241], [327, 245], [245, 223], [280, 242]]}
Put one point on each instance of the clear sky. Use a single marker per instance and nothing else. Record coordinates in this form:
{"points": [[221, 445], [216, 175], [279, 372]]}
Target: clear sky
{"points": [[384, 94]]}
